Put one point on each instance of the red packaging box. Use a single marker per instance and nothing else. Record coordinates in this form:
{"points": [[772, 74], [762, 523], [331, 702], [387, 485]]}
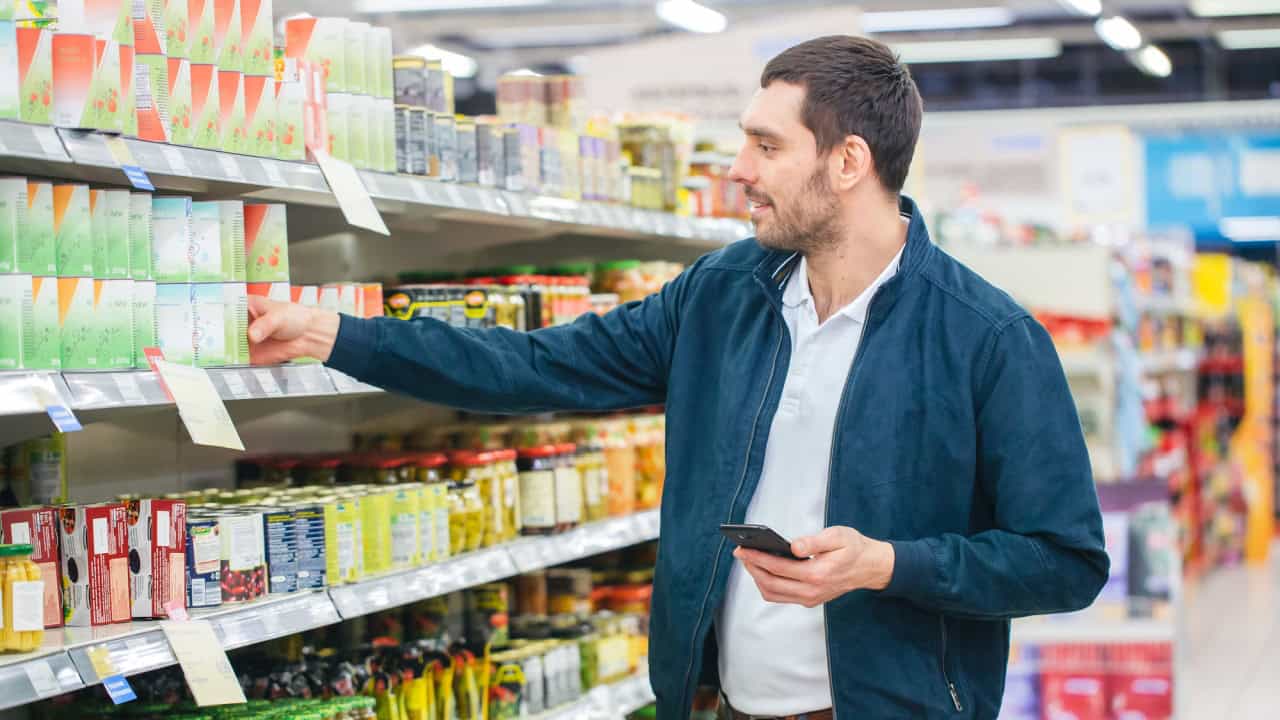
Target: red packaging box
{"points": [[1073, 682], [157, 555], [95, 564], [39, 527], [372, 299], [1141, 681]]}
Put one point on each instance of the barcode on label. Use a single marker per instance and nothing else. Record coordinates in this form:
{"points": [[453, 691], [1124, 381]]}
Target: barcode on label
{"points": [[268, 382], [142, 85], [197, 592], [139, 9], [175, 159], [130, 393], [274, 176], [235, 385]]}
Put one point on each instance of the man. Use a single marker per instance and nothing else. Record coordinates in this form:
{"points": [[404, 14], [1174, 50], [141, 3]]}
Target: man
{"points": [[838, 378]]}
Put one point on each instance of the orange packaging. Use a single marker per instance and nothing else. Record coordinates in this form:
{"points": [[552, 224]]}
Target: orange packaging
{"points": [[278, 291], [38, 526], [95, 564], [35, 75], [73, 72], [205, 107], [372, 299], [181, 122], [148, 27], [231, 110], [308, 295], [260, 115]]}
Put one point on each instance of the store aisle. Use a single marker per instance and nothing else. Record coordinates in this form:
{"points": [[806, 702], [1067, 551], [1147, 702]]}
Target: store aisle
{"points": [[1230, 647]]}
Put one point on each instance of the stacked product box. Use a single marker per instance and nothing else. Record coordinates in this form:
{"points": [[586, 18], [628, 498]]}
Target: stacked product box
{"points": [[203, 562], [38, 527], [157, 555], [301, 107], [93, 66], [94, 544]]}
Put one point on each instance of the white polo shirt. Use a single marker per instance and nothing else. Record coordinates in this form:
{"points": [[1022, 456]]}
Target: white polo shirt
{"points": [[773, 658]]}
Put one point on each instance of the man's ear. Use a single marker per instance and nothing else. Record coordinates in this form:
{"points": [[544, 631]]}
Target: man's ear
{"points": [[852, 162]]}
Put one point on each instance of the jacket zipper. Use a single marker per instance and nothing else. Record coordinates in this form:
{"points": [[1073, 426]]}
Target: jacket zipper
{"points": [[942, 661], [715, 567]]}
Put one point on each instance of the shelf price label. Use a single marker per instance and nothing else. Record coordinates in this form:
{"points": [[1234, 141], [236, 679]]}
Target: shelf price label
{"points": [[130, 391], [236, 385], [268, 383], [43, 681], [200, 406], [204, 662], [230, 167]]}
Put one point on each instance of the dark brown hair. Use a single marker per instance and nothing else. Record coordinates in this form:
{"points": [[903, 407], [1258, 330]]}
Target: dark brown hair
{"points": [[855, 86]]}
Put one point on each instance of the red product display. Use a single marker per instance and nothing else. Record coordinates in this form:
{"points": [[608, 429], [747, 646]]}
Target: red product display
{"points": [[1141, 681], [157, 555], [95, 564], [38, 526], [1073, 683]]}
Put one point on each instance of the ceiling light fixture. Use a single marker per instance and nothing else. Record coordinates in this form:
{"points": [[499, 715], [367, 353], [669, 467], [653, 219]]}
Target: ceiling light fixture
{"points": [[944, 51], [1152, 61], [948, 19], [691, 16], [1227, 8], [1249, 39], [1250, 229], [1118, 33], [456, 64], [417, 6], [1090, 8]]}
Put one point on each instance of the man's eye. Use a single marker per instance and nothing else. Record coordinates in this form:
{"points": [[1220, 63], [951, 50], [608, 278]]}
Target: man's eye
{"points": [[766, 148]]}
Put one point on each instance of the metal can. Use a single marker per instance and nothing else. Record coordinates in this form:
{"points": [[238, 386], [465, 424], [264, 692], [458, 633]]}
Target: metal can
{"points": [[467, 152], [403, 139], [446, 140], [490, 170], [419, 140]]}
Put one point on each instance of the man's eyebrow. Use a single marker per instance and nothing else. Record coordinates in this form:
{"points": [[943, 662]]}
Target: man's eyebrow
{"points": [[760, 132]]}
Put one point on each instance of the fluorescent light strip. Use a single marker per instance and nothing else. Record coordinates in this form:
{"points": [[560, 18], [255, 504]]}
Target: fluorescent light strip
{"points": [[1118, 33], [1152, 61], [1228, 8], [1247, 229], [944, 51], [691, 16], [1089, 8], [424, 6], [949, 19], [456, 64], [1249, 39]]}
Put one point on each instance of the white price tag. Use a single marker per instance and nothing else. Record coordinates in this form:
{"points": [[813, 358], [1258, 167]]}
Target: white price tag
{"points": [[274, 176], [49, 142], [230, 167], [268, 382], [130, 392], [177, 161], [419, 190], [310, 383], [42, 678], [235, 385]]}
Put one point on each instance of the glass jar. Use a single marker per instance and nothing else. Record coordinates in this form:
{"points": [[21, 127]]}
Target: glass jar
{"points": [[320, 470], [509, 474], [488, 479], [620, 465], [466, 513], [623, 278], [591, 465], [23, 600], [651, 465], [537, 468], [569, 495]]}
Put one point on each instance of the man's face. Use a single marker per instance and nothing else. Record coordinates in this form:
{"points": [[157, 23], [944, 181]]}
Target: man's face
{"points": [[793, 205]]}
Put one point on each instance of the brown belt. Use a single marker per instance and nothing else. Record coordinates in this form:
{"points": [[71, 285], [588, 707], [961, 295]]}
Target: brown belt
{"points": [[815, 715]]}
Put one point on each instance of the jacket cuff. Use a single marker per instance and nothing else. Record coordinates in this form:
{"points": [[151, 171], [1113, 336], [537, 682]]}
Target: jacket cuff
{"points": [[914, 569], [355, 346]]}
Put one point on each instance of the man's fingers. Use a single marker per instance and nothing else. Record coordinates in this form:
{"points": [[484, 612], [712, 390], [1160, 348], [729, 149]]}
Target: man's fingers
{"points": [[832, 538], [782, 567], [258, 306], [265, 326], [776, 589]]}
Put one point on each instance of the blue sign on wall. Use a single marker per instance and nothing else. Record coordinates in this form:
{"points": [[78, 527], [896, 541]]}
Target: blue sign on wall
{"points": [[1224, 185]]}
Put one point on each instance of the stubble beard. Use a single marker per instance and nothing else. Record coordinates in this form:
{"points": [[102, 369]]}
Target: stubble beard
{"points": [[813, 225]]}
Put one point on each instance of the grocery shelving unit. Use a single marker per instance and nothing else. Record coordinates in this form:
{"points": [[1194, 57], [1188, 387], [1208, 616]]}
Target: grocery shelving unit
{"points": [[77, 657]]}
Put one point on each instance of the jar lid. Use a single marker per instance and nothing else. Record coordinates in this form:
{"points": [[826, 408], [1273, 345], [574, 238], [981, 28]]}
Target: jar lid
{"points": [[566, 449], [539, 451], [429, 460], [321, 462], [15, 550], [620, 265]]}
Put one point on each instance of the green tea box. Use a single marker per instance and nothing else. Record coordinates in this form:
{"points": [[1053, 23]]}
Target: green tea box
{"points": [[338, 117], [360, 112], [116, 216], [35, 75], [356, 54], [15, 298], [291, 113], [113, 311], [171, 239], [73, 232], [151, 92], [266, 240], [227, 35], [201, 48], [42, 336], [177, 30], [140, 236], [144, 321], [211, 317], [206, 108], [9, 101], [13, 211], [78, 325], [231, 119], [260, 115], [257, 36], [37, 247], [320, 41], [175, 322], [235, 305], [217, 241], [232, 240]]}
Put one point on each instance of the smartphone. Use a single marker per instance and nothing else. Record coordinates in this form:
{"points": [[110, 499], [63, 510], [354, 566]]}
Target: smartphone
{"points": [[759, 537]]}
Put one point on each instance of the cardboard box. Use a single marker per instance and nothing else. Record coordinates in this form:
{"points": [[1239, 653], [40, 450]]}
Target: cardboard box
{"points": [[382, 58], [95, 564], [37, 246], [260, 115], [201, 50], [112, 86], [235, 304], [79, 334], [177, 29], [128, 77], [13, 211], [227, 37], [385, 116], [38, 527], [216, 308], [231, 110], [244, 567], [338, 117], [281, 537], [116, 210], [406, 533], [151, 92], [266, 238], [140, 236], [305, 295], [372, 300], [310, 535], [157, 555], [180, 117], [73, 230], [42, 337], [204, 562], [15, 294], [74, 69], [144, 321], [360, 120], [205, 107], [278, 291], [35, 75], [113, 315], [9, 82], [355, 54], [105, 19], [171, 239], [217, 241], [175, 322], [321, 41], [98, 230], [256, 32], [290, 104], [149, 36]]}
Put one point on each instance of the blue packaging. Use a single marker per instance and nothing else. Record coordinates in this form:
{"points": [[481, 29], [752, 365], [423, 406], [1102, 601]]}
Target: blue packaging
{"points": [[278, 525], [309, 532], [204, 562]]}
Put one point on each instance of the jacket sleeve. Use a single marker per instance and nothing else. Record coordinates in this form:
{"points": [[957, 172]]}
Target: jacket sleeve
{"points": [[1046, 552], [616, 361]]}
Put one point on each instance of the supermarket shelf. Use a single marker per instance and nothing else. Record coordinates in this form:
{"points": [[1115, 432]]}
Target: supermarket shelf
{"points": [[74, 657], [1093, 631], [1164, 305], [404, 200], [1078, 363], [606, 702], [1168, 361]]}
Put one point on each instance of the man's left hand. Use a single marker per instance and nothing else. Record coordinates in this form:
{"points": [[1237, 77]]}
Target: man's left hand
{"points": [[841, 560]]}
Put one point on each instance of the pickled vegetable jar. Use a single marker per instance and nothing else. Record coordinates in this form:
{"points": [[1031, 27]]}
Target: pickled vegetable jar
{"points": [[23, 600], [620, 464]]}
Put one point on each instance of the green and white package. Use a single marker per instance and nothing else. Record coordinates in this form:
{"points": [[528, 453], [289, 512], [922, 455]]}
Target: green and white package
{"points": [[9, 100], [73, 231], [206, 242], [201, 47], [140, 236], [339, 118], [266, 234], [144, 321], [385, 112], [359, 118], [231, 238], [171, 239], [37, 248], [114, 318], [259, 37], [98, 230], [116, 216], [13, 210], [175, 322], [42, 334], [15, 297], [235, 305], [78, 323], [211, 319], [356, 39]]}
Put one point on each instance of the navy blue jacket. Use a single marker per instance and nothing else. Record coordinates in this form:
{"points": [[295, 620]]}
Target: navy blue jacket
{"points": [[956, 440]]}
